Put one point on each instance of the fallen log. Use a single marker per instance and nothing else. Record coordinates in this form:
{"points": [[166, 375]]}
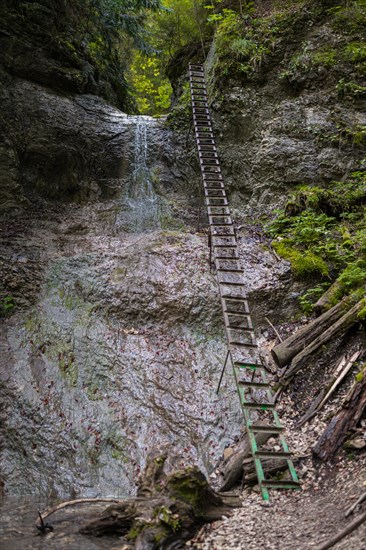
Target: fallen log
{"points": [[41, 526], [342, 534], [231, 470], [359, 501], [325, 394], [167, 511], [346, 420], [325, 299], [286, 350], [342, 324], [270, 468]]}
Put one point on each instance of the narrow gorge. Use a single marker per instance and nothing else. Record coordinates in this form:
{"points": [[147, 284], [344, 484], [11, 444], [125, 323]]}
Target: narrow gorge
{"points": [[112, 339]]}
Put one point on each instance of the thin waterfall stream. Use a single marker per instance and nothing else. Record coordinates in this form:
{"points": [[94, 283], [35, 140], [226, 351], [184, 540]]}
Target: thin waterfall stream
{"points": [[142, 206]]}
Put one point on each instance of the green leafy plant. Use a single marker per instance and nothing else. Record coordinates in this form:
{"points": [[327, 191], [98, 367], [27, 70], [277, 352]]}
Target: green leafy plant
{"points": [[322, 232], [7, 304]]}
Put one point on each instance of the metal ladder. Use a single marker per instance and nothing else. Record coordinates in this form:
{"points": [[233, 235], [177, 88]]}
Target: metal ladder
{"points": [[253, 388]]}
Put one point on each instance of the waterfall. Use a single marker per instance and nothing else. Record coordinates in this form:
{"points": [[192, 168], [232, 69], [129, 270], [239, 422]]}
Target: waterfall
{"points": [[143, 203]]}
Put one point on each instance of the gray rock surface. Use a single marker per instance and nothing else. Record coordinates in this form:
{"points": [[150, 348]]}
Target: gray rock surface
{"points": [[76, 148]]}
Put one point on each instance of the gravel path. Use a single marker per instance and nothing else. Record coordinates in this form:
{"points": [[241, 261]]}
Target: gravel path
{"points": [[295, 520]]}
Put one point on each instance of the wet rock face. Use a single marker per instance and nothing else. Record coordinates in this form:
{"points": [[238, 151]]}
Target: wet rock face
{"points": [[270, 143], [117, 345], [121, 350], [75, 149]]}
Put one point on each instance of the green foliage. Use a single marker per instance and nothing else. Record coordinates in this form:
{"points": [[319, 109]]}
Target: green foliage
{"points": [[355, 52], [179, 23], [343, 60], [152, 91], [108, 31], [322, 232], [354, 276], [309, 297], [305, 264], [241, 48], [359, 376], [350, 89], [349, 17], [7, 304], [68, 368]]}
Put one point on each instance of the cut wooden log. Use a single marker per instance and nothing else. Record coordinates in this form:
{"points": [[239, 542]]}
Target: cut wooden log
{"points": [[346, 420], [286, 350], [323, 304], [231, 470], [324, 395], [270, 467], [341, 325]]}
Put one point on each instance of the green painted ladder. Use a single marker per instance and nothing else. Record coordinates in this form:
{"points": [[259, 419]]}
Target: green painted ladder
{"points": [[253, 388]]}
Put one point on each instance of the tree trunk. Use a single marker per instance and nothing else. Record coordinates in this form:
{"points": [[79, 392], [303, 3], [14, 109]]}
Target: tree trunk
{"points": [[325, 393], [347, 419], [231, 469], [342, 324], [324, 301], [285, 351]]}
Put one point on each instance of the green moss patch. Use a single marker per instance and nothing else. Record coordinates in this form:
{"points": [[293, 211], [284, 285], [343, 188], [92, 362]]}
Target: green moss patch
{"points": [[322, 232]]}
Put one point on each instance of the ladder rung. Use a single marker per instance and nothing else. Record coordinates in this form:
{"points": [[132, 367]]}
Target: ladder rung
{"points": [[235, 311], [280, 484], [232, 257], [224, 241], [232, 254], [211, 177], [233, 283], [229, 293], [260, 406], [229, 269], [251, 366], [216, 201], [242, 344], [215, 193], [206, 161], [265, 429], [248, 365], [253, 384], [214, 185], [224, 226], [272, 454], [244, 323], [218, 210], [225, 219]]}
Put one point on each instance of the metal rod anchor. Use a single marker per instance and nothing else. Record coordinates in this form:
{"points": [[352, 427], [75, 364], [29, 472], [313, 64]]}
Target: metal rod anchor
{"points": [[222, 372]]}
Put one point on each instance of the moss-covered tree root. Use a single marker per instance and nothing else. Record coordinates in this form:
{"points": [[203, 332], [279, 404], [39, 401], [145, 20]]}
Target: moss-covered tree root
{"points": [[167, 510]]}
